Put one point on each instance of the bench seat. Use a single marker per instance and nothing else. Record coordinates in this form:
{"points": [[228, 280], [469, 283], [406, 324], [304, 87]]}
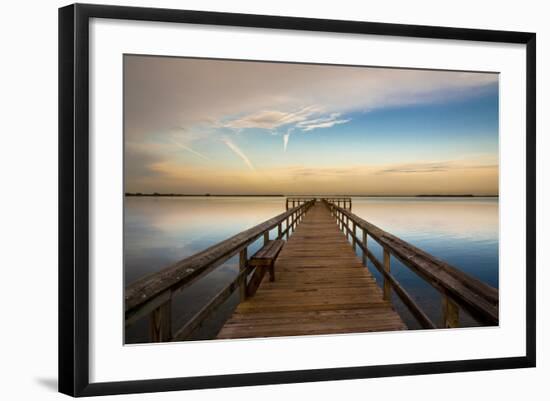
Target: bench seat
{"points": [[268, 253], [264, 259]]}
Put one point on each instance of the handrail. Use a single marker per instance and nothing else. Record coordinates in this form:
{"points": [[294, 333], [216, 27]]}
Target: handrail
{"points": [[151, 295], [297, 201], [457, 287], [336, 200]]}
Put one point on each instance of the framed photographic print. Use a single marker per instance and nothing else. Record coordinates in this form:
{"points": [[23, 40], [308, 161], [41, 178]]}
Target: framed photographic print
{"points": [[250, 199]]}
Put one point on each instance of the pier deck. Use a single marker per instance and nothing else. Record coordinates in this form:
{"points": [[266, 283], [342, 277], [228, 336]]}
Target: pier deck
{"points": [[321, 287]]}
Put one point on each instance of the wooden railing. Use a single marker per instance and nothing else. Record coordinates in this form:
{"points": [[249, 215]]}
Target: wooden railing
{"points": [[342, 201], [293, 201], [457, 288], [152, 295]]}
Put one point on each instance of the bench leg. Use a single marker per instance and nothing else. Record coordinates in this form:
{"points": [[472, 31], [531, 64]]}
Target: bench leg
{"points": [[272, 272]]}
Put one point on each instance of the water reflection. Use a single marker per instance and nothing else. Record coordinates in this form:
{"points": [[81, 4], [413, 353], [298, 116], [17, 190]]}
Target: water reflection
{"points": [[162, 230]]}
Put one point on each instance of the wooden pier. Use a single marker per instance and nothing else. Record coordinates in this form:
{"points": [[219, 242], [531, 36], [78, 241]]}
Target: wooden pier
{"points": [[317, 284], [321, 287]]}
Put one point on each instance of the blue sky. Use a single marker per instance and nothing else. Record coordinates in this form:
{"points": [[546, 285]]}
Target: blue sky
{"points": [[196, 126]]}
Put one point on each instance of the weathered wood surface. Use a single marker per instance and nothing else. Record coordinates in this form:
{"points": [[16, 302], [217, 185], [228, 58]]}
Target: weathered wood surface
{"points": [[321, 288], [263, 260], [160, 323], [267, 253]]}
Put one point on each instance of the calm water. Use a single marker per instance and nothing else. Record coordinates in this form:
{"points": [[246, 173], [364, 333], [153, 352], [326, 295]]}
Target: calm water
{"points": [[163, 230]]}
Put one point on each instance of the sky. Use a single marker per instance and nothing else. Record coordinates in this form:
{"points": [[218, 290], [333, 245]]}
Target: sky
{"points": [[196, 126]]}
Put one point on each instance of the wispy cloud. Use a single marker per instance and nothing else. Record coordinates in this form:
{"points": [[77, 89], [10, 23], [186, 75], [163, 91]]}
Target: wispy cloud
{"points": [[286, 138], [324, 125], [417, 168], [188, 149], [271, 119], [323, 122], [432, 167], [304, 119], [235, 149]]}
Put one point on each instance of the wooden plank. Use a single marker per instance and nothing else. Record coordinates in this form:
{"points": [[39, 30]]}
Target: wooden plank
{"points": [[450, 313], [243, 264], [321, 288], [387, 267], [160, 323], [268, 252], [364, 243]]}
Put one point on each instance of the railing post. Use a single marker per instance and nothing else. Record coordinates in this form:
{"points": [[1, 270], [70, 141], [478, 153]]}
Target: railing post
{"points": [[387, 284], [343, 218], [243, 256], [160, 323], [450, 312], [279, 231], [347, 226], [266, 237], [287, 227], [365, 246], [354, 241]]}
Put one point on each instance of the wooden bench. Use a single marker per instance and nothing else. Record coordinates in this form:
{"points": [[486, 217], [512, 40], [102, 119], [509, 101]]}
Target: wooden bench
{"points": [[263, 260]]}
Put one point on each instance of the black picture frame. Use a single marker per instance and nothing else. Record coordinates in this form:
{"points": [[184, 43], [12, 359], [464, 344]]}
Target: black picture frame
{"points": [[74, 198]]}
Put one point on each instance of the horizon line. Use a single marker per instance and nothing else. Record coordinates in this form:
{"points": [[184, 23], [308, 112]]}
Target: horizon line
{"points": [[311, 195]]}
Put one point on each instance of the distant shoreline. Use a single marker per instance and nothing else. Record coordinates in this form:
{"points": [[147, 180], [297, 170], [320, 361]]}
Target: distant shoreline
{"points": [[156, 194]]}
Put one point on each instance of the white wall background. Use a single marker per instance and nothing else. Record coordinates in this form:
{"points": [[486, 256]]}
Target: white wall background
{"points": [[28, 185]]}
